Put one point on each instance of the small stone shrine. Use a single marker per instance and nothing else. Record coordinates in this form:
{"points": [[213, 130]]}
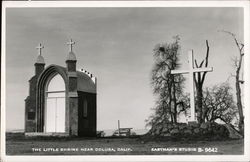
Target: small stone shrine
{"points": [[61, 100]]}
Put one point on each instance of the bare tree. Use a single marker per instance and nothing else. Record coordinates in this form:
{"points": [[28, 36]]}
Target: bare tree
{"points": [[238, 66], [219, 104], [199, 80]]}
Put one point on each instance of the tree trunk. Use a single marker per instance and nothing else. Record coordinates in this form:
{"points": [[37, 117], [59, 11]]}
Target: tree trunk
{"points": [[170, 103], [239, 104], [199, 103], [174, 101], [199, 80], [171, 117], [204, 114]]}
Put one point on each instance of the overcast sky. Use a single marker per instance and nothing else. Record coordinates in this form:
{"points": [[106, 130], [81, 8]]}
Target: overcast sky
{"points": [[115, 44]]}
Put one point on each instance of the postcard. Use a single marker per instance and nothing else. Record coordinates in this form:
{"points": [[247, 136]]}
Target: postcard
{"points": [[125, 81]]}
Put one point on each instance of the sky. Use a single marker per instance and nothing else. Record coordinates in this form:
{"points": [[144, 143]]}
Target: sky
{"points": [[116, 46]]}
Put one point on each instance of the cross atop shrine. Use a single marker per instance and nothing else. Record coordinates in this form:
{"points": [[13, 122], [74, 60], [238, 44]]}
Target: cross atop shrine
{"points": [[71, 43], [40, 47], [191, 72]]}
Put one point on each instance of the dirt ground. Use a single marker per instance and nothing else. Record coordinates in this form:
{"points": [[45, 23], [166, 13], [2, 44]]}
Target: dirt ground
{"points": [[18, 144]]}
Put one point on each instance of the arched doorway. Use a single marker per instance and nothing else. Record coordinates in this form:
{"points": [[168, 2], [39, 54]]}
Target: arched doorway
{"points": [[55, 104]]}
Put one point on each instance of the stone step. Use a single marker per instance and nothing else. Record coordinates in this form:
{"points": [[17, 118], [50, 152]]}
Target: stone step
{"points": [[35, 134]]}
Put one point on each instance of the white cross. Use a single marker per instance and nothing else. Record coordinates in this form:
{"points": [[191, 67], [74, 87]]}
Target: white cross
{"points": [[40, 47], [71, 43], [191, 72]]}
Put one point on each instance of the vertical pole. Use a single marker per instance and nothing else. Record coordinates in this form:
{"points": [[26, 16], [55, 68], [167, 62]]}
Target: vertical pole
{"points": [[119, 127], [191, 85]]}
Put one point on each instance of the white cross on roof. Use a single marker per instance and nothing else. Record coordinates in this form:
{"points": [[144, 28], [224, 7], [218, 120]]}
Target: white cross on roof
{"points": [[40, 47], [70, 43]]}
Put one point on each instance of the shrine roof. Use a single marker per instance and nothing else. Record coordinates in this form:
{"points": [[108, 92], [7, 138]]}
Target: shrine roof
{"points": [[84, 82], [40, 59]]}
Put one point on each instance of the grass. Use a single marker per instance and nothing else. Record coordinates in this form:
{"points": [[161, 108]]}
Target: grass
{"points": [[18, 144]]}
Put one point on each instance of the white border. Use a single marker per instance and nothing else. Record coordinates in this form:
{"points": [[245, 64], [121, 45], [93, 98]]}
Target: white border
{"points": [[244, 4]]}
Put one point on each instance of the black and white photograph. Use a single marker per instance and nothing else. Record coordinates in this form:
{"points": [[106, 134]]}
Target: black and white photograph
{"points": [[125, 78]]}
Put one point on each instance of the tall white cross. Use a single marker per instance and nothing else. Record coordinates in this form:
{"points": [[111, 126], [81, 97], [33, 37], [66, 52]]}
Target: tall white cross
{"points": [[40, 47], [71, 43], [191, 72]]}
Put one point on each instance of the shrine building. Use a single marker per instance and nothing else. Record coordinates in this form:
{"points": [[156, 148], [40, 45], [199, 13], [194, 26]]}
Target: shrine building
{"points": [[61, 100]]}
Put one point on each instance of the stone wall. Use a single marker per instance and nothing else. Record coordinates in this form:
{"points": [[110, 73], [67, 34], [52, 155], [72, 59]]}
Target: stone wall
{"points": [[30, 106], [190, 130]]}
